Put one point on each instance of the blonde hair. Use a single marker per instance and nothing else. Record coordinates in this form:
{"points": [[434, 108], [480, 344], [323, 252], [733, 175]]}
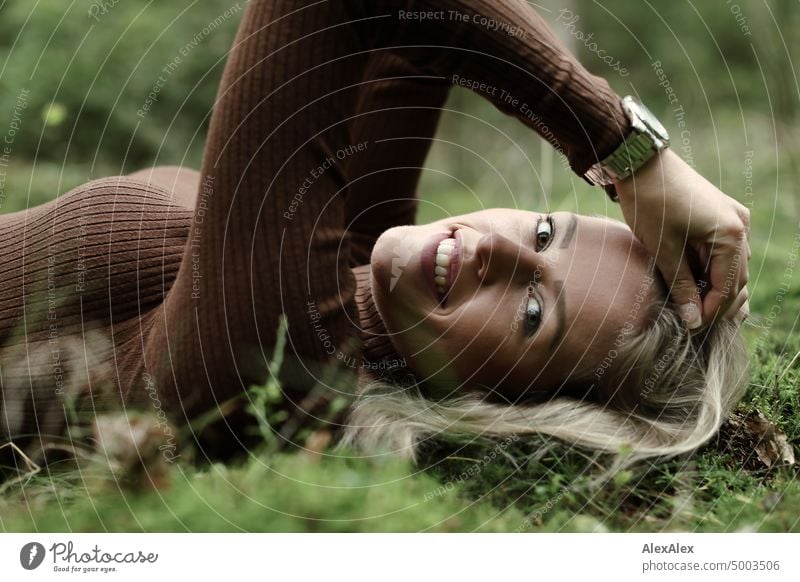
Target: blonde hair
{"points": [[667, 394]]}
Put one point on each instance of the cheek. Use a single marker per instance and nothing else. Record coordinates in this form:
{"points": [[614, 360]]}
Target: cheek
{"points": [[479, 343], [427, 352]]}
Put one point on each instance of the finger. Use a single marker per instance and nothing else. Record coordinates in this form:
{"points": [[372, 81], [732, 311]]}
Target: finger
{"points": [[744, 267], [678, 275], [726, 271], [744, 274], [742, 314], [736, 306], [744, 213]]}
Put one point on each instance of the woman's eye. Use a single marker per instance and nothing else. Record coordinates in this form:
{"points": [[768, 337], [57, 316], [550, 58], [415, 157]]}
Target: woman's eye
{"points": [[544, 233], [533, 315]]}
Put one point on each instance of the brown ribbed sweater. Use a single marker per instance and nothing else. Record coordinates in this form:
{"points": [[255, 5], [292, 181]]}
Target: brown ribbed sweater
{"points": [[163, 290]]}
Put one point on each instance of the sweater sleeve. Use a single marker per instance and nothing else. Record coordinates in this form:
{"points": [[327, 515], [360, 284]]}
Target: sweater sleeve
{"points": [[268, 234], [504, 51], [398, 110]]}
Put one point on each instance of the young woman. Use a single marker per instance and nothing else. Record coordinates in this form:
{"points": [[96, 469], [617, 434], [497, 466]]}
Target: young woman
{"points": [[164, 289]]}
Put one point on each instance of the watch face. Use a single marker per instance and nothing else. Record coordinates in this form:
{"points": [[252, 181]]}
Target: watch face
{"points": [[647, 117]]}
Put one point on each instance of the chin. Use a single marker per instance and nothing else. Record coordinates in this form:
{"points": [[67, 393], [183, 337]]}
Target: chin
{"points": [[399, 298], [380, 263], [391, 256]]}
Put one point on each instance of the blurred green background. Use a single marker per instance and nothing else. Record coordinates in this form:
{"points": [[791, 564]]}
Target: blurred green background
{"points": [[84, 69]]}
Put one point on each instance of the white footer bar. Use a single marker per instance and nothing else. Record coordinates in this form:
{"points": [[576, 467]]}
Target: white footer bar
{"points": [[379, 557]]}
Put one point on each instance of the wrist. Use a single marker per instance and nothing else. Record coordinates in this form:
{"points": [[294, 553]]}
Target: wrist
{"points": [[646, 138], [649, 171]]}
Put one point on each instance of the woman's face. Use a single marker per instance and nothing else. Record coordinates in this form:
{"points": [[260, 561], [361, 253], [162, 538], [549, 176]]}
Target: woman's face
{"points": [[509, 299]]}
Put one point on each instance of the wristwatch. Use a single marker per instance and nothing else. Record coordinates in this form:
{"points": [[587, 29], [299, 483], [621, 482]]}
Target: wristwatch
{"points": [[646, 139]]}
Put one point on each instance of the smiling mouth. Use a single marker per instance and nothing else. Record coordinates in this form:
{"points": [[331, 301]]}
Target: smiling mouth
{"points": [[442, 271]]}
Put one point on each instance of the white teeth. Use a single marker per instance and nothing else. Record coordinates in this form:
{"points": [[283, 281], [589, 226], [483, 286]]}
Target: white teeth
{"points": [[442, 269]]}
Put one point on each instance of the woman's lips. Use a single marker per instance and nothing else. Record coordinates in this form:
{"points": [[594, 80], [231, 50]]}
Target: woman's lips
{"points": [[428, 264]]}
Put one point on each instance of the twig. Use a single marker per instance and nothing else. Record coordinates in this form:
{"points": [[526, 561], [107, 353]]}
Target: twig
{"points": [[33, 468]]}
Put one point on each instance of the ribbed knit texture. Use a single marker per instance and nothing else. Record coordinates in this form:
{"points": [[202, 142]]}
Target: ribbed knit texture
{"points": [[575, 111], [76, 274], [377, 350], [132, 291]]}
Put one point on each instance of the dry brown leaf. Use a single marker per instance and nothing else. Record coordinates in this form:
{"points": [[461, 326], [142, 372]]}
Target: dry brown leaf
{"points": [[773, 446], [745, 434], [133, 447]]}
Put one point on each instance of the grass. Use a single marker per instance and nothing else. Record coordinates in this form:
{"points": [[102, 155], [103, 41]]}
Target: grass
{"points": [[525, 486], [533, 488]]}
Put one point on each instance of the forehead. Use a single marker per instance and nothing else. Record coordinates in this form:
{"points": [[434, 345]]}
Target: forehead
{"points": [[607, 285], [499, 217]]}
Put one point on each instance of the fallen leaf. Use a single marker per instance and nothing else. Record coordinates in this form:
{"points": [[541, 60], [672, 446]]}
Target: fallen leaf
{"points": [[745, 434], [132, 446], [773, 446]]}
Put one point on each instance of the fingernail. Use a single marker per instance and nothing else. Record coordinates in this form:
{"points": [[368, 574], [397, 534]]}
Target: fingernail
{"points": [[690, 315]]}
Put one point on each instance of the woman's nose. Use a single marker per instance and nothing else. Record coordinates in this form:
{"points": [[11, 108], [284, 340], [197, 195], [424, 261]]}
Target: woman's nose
{"points": [[502, 259]]}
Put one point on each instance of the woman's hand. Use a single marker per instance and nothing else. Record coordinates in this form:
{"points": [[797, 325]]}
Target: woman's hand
{"points": [[684, 220]]}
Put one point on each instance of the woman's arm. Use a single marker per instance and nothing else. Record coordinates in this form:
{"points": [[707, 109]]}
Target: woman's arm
{"points": [[398, 111], [504, 51], [268, 232]]}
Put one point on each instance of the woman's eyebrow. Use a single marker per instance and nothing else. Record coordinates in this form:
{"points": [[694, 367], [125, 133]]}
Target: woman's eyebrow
{"points": [[569, 233], [558, 286], [561, 314]]}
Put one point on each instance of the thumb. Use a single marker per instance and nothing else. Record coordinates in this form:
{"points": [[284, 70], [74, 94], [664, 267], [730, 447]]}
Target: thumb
{"points": [[682, 288]]}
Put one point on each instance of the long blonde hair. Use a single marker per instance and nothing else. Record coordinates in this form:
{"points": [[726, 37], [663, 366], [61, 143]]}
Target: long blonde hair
{"points": [[668, 393]]}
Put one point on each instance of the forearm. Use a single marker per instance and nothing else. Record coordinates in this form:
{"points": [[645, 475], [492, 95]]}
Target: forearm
{"points": [[504, 51]]}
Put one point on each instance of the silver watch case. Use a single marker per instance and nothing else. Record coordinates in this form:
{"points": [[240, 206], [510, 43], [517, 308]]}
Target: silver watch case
{"points": [[647, 137]]}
